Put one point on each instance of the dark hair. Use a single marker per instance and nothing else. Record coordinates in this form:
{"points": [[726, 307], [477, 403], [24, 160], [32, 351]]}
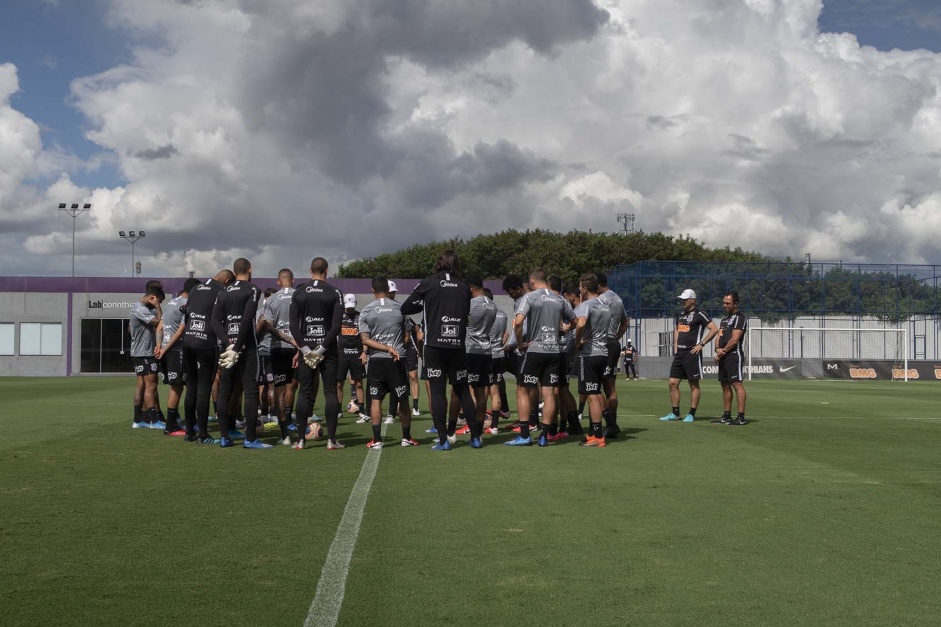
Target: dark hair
{"points": [[318, 265], [555, 283], [590, 282], [602, 278], [227, 276], [734, 296], [242, 266], [475, 281], [512, 282], [447, 262], [570, 288], [156, 290], [488, 293], [152, 283], [270, 291], [380, 285], [190, 284], [286, 271]]}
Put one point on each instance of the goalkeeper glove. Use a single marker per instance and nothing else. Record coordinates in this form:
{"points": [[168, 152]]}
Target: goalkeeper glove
{"points": [[311, 358], [228, 357]]}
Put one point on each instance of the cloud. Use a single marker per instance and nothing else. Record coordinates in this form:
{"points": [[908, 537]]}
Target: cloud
{"points": [[281, 130]]}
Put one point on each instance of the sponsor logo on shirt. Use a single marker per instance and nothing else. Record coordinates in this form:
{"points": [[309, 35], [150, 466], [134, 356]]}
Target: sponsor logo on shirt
{"points": [[447, 283], [315, 330]]}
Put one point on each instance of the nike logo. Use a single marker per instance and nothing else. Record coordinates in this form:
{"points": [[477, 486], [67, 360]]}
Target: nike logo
{"points": [[783, 369]]}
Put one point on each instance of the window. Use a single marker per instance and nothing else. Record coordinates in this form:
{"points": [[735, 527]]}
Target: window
{"points": [[40, 338], [7, 330]]}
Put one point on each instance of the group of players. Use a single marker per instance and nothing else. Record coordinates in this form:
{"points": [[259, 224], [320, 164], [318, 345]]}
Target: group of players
{"points": [[226, 332]]}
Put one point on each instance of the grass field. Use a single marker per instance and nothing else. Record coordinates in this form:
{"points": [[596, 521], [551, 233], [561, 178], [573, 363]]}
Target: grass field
{"points": [[825, 510]]}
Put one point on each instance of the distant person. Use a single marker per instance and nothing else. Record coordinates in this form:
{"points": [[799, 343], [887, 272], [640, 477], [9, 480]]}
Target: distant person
{"points": [[688, 342], [630, 360], [730, 357], [145, 318]]}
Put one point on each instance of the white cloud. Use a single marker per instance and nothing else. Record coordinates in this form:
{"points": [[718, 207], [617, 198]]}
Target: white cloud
{"points": [[287, 129]]}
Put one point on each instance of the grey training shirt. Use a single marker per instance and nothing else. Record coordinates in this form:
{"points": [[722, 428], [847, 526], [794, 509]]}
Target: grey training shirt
{"points": [[479, 323], [278, 313], [543, 311], [172, 318], [595, 332], [143, 334], [383, 320]]}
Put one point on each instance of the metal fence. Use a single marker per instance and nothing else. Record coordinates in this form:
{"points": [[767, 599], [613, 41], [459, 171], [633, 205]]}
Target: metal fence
{"points": [[786, 294]]}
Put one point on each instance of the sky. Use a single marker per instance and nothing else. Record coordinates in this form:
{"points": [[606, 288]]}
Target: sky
{"points": [[280, 131]]}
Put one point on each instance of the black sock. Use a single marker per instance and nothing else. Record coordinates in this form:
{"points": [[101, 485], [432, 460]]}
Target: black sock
{"points": [[494, 420], [524, 429], [608, 419], [595, 430], [676, 410], [406, 433], [160, 415], [173, 419], [553, 430], [575, 427], [741, 416], [215, 408], [415, 404], [150, 415], [138, 413], [692, 412], [452, 426], [377, 433], [581, 407], [284, 429], [727, 414]]}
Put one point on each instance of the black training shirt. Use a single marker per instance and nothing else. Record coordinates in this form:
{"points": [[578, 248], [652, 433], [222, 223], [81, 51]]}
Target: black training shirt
{"points": [[202, 298], [233, 317], [444, 300], [316, 315]]}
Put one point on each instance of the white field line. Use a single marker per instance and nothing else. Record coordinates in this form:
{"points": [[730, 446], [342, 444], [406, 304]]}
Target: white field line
{"points": [[325, 608]]}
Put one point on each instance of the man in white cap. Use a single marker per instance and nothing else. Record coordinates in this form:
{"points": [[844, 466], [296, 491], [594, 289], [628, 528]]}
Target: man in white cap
{"points": [[630, 361], [352, 357], [688, 342]]}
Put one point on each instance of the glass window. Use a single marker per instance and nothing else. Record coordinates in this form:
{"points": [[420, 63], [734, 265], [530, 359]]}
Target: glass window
{"points": [[7, 346], [40, 338]]}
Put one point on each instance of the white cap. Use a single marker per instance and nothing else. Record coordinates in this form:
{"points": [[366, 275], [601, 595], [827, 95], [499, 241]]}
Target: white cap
{"points": [[349, 301], [687, 294], [628, 340], [393, 287]]}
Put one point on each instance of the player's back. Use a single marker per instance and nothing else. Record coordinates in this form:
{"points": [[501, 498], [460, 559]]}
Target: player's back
{"points": [[202, 299]]}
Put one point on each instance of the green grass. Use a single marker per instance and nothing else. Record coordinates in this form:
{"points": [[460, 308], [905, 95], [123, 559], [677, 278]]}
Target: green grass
{"points": [[824, 510]]}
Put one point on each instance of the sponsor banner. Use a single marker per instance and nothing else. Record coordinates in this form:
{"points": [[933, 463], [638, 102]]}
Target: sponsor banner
{"points": [[880, 370], [764, 369]]}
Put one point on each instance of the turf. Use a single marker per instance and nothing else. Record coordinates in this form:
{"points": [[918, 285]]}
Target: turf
{"points": [[823, 510]]}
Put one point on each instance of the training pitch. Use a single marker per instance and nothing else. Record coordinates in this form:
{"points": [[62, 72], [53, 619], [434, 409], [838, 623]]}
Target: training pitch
{"points": [[824, 510]]}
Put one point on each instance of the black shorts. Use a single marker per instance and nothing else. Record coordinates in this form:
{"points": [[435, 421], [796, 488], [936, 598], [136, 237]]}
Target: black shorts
{"points": [[591, 373], [173, 373], [450, 363], [144, 366], [281, 369], [411, 358], [687, 366], [479, 373], [352, 366], [387, 375], [497, 368], [614, 355], [539, 369], [265, 372], [731, 368]]}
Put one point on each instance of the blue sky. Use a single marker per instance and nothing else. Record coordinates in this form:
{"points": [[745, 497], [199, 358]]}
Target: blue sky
{"points": [[458, 118], [54, 41]]}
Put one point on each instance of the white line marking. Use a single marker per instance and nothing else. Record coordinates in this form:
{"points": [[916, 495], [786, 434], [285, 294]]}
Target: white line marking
{"points": [[325, 608]]}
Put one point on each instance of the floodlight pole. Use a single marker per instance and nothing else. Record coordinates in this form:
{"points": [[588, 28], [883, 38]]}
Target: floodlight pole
{"points": [[132, 237], [75, 211]]}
